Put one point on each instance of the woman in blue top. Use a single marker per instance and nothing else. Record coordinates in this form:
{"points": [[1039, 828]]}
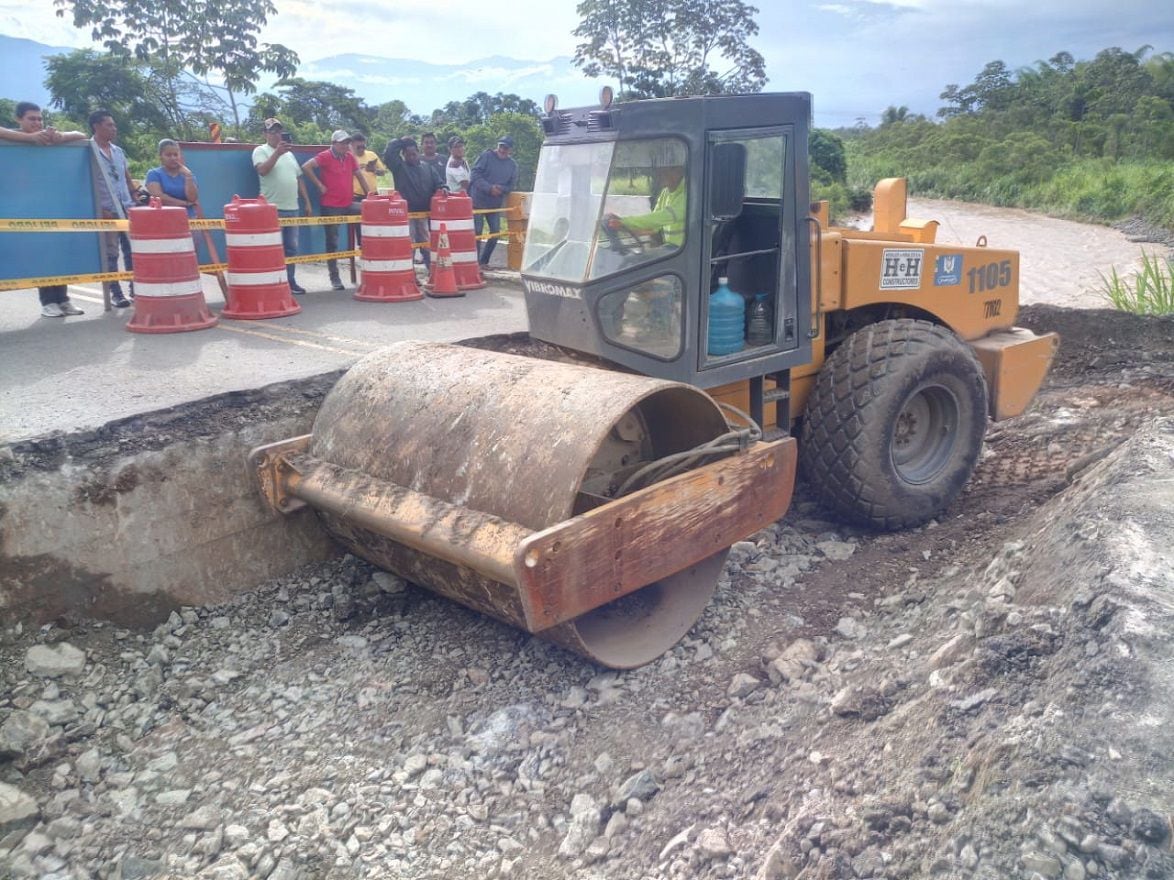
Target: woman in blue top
{"points": [[172, 182]]}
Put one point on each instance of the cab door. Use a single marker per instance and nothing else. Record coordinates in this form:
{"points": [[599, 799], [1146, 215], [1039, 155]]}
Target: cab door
{"points": [[750, 237]]}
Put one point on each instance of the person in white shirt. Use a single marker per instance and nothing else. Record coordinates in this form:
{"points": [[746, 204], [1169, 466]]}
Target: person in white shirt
{"points": [[456, 170], [281, 184]]}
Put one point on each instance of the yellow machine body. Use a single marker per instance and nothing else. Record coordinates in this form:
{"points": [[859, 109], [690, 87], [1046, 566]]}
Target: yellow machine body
{"points": [[898, 269]]}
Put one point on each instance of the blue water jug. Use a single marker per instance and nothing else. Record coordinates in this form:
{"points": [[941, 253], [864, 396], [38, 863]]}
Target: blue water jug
{"points": [[727, 320]]}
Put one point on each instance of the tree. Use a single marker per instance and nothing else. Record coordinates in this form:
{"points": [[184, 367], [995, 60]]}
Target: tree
{"points": [[83, 81], [138, 93], [204, 36], [662, 48], [327, 105], [477, 108], [828, 163], [393, 118], [992, 89]]}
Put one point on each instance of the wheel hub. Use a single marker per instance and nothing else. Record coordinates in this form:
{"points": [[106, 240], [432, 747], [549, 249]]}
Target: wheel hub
{"points": [[924, 433]]}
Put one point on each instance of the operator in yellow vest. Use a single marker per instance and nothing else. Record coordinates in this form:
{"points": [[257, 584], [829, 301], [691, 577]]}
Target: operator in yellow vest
{"points": [[667, 219]]}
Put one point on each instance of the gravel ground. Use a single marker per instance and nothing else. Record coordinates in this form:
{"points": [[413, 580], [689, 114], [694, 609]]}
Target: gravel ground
{"points": [[988, 697]]}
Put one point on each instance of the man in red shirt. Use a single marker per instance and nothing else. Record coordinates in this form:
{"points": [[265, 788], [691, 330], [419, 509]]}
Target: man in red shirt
{"points": [[339, 172]]}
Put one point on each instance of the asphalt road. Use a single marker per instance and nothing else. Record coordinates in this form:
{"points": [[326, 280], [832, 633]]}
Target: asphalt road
{"points": [[63, 374]]}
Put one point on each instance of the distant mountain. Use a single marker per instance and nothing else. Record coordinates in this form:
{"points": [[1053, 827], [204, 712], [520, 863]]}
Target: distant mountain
{"points": [[22, 69], [425, 86], [421, 85]]}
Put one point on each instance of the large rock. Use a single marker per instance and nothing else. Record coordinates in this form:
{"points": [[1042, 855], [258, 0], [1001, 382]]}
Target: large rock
{"points": [[17, 810], [641, 785], [583, 827], [54, 661], [21, 733]]}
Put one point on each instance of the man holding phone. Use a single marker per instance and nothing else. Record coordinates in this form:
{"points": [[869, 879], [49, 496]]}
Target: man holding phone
{"points": [[370, 165], [281, 184]]}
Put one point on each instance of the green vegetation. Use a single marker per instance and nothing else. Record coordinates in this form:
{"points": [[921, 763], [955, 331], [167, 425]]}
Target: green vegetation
{"points": [[1090, 140], [668, 48], [149, 105], [202, 38], [1150, 292]]}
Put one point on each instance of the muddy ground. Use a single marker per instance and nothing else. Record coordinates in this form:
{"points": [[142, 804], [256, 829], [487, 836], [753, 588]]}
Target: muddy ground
{"points": [[988, 696]]}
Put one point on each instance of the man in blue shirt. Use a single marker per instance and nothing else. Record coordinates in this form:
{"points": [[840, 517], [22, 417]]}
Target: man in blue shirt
{"points": [[494, 176]]}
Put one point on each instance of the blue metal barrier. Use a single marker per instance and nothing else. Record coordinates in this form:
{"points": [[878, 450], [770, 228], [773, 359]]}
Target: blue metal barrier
{"points": [[54, 182]]}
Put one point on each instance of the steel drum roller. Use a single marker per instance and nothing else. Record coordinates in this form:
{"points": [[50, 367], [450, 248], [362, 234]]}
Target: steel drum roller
{"points": [[491, 479]]}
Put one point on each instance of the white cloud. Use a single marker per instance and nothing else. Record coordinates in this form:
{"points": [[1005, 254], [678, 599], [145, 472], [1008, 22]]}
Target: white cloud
{"points": [[855, 56]]}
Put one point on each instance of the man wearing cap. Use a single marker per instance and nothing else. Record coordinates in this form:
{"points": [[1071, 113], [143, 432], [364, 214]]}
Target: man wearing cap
{"points": [[456, 170], [338, 168], [281, 184], [416, 182], [494, 176]]}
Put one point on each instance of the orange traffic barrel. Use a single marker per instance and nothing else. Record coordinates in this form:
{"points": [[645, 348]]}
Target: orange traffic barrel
{"points": [[443, 280], [455, 211], [169, 297], [258, 286], [386, 251]]}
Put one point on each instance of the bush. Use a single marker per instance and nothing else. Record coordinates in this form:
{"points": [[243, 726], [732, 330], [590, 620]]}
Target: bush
{"points": [[1151, 291]]}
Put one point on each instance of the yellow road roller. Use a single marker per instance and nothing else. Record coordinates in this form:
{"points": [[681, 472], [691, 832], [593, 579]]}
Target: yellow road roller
{"points": [[594, 506]]}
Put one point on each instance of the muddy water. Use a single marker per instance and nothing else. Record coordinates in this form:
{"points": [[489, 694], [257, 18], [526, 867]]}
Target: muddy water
{"points": [[1061, 261]]}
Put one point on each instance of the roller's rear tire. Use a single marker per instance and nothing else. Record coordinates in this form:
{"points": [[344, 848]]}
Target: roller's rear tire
{"points": [[894, 425]]}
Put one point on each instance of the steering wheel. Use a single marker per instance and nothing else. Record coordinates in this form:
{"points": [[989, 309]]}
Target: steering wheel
{"points": [[621, 238]]}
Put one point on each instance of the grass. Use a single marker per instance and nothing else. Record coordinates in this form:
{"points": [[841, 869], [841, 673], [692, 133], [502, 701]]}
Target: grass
{"points": [[1150, 292]]}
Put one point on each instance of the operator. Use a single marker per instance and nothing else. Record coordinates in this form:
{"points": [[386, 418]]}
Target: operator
{"points": [[667, 220]]}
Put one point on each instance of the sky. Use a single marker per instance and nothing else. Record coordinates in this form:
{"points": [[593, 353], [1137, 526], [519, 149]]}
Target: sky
{"points": [[856, 57]]}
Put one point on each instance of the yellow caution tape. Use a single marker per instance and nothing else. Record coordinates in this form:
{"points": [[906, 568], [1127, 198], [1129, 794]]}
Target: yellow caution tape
{"points": [[52, 280], [88, 225], [64, 225], [318, 258]]}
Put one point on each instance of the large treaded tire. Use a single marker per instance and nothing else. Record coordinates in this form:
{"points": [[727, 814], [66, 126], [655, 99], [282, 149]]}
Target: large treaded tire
{"points": [[894, 425]]}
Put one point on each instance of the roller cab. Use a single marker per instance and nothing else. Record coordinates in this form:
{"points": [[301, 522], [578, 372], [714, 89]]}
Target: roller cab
{"points": [[592, 508]]}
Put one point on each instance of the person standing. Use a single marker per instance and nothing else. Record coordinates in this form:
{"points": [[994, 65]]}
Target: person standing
{"points": [[428, 154], [31, 130], [172, 182], [494, 176], [371, 167], [456, 170], [416, 182], [281, 184], [338, 168], [114, 196]]}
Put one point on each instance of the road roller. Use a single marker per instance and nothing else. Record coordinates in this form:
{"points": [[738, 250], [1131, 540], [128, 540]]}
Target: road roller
{"points": [[591, 500]]}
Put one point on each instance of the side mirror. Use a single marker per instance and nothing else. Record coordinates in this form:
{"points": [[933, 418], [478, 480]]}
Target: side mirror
{"points": [[727, 180]]}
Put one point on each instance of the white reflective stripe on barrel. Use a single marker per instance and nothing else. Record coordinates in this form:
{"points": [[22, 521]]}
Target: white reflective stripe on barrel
{"points": [[183, 245], [453, 225], [385, 231], [464, 256], [386, 265], [252, 239], [173, 288], [257, 277]]}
